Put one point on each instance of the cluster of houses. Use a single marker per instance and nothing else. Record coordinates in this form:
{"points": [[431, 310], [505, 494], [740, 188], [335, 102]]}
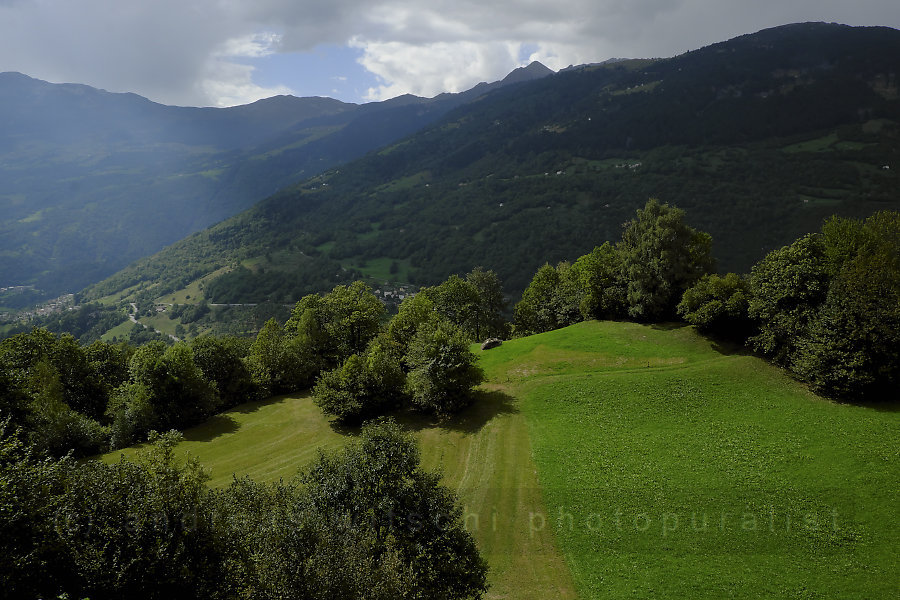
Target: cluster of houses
{"points": [[394, 295], [63, 303]]}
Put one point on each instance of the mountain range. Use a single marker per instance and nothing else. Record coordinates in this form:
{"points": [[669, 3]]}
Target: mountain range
{"points": [[91, 180], [758, 138]]}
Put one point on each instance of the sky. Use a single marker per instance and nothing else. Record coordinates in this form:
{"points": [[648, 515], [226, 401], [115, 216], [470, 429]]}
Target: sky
{"points": [[229, 52]]}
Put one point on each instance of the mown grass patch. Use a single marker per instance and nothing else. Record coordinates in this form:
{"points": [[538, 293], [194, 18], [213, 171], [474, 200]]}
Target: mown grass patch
{"points": [[484, 454], [671, 469]]}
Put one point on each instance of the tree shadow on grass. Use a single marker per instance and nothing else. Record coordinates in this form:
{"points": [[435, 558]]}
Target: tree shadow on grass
{"points": [[486, 404], [223, 423], [728, 347], [669, 326], [211, 429], [251, 407]]}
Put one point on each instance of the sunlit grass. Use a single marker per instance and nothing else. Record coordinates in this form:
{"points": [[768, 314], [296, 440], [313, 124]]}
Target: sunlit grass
{"points": [[642, 436]]}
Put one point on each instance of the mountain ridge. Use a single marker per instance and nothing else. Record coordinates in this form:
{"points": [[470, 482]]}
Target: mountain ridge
{"points": [[758, 138], [91, 180]]}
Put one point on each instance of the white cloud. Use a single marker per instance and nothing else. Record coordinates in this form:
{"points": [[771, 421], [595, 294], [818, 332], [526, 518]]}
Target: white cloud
{"points": [[254, 45], [227, 83], [429, 69]]}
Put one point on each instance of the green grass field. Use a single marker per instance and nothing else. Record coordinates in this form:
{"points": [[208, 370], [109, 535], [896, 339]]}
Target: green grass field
{"points": [[615, 459], [483, 454], [671, 469]]}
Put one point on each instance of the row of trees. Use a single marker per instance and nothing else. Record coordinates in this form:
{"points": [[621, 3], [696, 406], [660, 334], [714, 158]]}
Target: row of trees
{"points": [[92, 398], [643, 277], [826, 307], [363, 523], [359, 367]]}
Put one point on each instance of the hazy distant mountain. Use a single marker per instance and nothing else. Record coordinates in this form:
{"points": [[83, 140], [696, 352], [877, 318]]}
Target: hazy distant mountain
{"points": [[91, 180], [758, 138]]}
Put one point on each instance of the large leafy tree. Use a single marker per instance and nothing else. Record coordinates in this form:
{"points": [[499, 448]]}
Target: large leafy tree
{"points": [[787, 287], [662, 256], [278, 363], [81, 387], [601, 283], [443, 370], [221, 364], [179, 394], [142, 530], [414, 311], [852, 348], [364, 386], [341, 323], [408, 519], [487, 319], [551, 300]]}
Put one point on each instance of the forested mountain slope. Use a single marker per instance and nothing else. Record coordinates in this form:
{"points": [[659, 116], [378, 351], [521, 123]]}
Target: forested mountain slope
{"points": [[757, 139], [91, 180]]}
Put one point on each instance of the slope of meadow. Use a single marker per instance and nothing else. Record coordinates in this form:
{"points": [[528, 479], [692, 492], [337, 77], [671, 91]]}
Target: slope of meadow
{"points": [[618, 460], [674, 469]]}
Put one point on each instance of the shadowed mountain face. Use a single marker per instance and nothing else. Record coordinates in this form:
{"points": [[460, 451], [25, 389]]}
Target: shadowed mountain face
{"points": [[91, 180], [758, 138]]}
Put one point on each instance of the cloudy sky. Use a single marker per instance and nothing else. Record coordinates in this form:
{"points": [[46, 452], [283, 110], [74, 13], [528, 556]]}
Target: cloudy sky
{"points": [[226, 52]]}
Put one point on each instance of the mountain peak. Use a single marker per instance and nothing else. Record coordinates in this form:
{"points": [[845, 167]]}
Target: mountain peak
{"points": [[535, 70]]}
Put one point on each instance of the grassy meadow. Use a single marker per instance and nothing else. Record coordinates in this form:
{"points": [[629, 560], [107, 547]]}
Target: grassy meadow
{"points": [[612, 459], [671, 468]]}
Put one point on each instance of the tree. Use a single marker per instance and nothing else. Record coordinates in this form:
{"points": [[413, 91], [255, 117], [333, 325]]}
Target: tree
{"points": [[30, 557], [414, 311], [852, 348], [550, 302], [341, 323], [486, 319], [271, 366], [410, 520], [142, 530], [601, 283], [787, 287], [221, 364], [365, 386], [80, 386], [174, 385], [661, 258], [54, 425], [443, 370], [718, 305]]}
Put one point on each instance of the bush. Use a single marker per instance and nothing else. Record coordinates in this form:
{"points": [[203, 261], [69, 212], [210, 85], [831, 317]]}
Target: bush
{"points": [[718, 305]]}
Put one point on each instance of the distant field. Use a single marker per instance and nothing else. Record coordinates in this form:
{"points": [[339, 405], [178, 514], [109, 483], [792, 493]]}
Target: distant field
{"points": [[120, 331], [627, 460], [673, 470]]}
